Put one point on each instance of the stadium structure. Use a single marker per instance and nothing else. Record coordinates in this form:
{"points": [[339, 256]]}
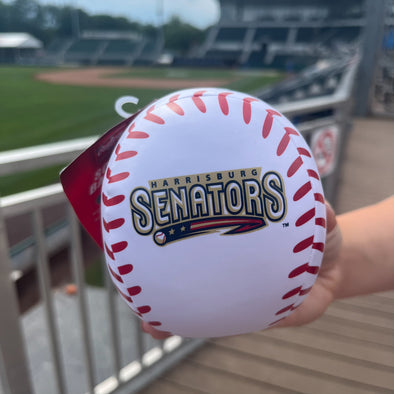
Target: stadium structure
{"points": [[383, 93], [106, 47], [283, 34]]}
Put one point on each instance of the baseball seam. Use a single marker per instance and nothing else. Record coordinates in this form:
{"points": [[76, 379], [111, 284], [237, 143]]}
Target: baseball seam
{"points": [[309, 242]]}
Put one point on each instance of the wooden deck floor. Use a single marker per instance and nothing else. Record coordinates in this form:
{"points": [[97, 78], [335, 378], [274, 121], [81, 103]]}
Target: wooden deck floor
{"points": [[349, 350]]}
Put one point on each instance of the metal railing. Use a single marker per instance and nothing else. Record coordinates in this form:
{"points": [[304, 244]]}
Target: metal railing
{"points": [[149, 358]]}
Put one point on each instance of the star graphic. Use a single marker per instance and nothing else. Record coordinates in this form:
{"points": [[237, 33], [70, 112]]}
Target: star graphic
{"points": [[172, 231], [183, 228]]}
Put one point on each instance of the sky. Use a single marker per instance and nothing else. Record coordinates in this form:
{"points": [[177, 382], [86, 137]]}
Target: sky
{"points": [[200, 13]]}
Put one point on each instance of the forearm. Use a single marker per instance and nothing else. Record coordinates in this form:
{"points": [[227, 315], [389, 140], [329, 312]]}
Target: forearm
{"points": [[366, 260]]}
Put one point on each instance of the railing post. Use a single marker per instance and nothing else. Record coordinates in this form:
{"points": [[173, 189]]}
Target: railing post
{"points": [[44, 283], [78, 272], [14, 371], [371, 48]]}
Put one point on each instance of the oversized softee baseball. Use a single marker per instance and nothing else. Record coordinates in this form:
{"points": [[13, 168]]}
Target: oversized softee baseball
{"points": [[213, 215]]}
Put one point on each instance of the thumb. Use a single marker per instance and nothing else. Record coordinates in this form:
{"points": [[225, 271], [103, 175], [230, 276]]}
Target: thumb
{"points": [[331, 217], [334, 236]]}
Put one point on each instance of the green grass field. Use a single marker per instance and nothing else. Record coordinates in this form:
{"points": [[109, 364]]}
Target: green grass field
{"points": [[35, 112]]}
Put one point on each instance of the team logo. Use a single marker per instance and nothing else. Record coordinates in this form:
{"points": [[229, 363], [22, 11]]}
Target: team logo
{"points": [[233, 202]]}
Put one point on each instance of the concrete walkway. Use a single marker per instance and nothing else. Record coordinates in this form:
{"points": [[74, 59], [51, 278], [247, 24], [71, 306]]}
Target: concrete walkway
{"points": [[70, 341]]}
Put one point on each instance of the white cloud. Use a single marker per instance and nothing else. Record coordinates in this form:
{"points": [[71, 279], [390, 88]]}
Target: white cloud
{"points": [[201, 13]]}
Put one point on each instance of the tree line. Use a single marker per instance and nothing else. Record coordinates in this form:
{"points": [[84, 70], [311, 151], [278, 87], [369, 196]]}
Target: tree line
{"points": [[47, 22]]}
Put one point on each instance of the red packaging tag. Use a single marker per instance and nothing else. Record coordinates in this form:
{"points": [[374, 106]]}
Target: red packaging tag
{"points": [[83, 178]]}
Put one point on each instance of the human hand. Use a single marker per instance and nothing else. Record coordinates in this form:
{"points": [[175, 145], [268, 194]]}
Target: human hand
{"points": [[154, 332], [323, 290]]}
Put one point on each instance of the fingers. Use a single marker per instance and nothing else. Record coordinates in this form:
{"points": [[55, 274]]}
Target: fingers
{"points": [[331, 218], [334, 236], [153, 332]]}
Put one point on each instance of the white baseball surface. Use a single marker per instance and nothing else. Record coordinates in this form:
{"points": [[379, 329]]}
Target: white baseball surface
{"points": [[213, 214]]}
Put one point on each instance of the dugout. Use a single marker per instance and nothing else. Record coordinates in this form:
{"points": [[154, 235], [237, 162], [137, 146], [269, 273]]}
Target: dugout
{"points": [[17, 48]]}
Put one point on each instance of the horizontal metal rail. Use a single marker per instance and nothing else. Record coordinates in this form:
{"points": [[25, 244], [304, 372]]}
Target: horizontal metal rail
{"points": [[25, 202], [335, 101], [26, 159]]}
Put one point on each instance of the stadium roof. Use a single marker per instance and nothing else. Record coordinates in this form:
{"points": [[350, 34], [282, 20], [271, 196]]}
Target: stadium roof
{"points": [[19, 40]]}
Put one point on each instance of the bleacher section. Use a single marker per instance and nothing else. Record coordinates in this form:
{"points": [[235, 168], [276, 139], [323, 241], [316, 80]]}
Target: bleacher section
{"points": [[278, 47], [271, 34], [328, 35], [55, 51], [116, 48], [150, 51], [232, 34], [283, 35], [321, 79], [225, 58], [119, 52], [84, 51]]}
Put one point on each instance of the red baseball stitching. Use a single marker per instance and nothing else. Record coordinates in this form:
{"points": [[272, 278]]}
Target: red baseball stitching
{"points": [[305, 217], [113, 224], [313, 174], [110, 202], [297, 291], [134, 290], [115, 248], [319, 197], [144, 309], [292, 170], [304, 268], [268, 122], [223, 103], [117, 223], [114, 274], [198, 102], [125, 269], [295, 166], [117, 177], [126, 297], [124, 155], [137, 134], [154, 323], [302, 191], [153, 118], [247, 108], [304, 152], [284, 142], [173, 106]]}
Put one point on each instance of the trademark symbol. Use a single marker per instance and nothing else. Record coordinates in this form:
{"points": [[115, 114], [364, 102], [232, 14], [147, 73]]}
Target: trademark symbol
{"points": [[285, 224]]}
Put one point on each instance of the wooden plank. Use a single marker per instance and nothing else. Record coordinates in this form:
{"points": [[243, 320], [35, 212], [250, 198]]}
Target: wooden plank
{"points": [[291, 378], [360, 316], [312, 359], [350, 329], [211, 380], [164, 386], [381, 310], [367, 181], [333, 343], [387, 294], [374, 302]]}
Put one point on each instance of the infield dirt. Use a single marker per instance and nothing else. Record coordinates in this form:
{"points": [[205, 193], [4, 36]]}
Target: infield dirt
{"points": [[105, 77]]}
